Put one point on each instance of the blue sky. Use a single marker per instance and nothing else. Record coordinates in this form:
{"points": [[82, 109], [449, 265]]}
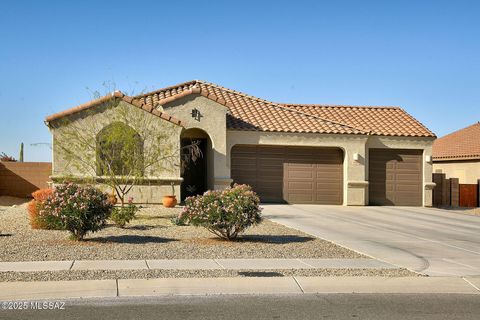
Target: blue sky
{"points": [[421, 55]]}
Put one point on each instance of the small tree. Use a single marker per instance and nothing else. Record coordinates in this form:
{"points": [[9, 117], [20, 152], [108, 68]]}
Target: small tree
{"points": [[123, 153], [20, 158]]}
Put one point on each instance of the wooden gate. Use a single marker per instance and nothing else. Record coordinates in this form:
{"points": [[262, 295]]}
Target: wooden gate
{"points": [[450, 193], [468, 195]]}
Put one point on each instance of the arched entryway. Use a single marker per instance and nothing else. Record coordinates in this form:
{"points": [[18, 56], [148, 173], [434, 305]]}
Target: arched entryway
{"points": [[197, 175]]}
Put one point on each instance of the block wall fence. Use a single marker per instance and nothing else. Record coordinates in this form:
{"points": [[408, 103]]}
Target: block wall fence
{"points": [[20, 179]]}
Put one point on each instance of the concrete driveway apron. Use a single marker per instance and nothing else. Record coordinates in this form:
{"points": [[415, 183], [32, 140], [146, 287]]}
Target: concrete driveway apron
{"points": [[430, 241]]}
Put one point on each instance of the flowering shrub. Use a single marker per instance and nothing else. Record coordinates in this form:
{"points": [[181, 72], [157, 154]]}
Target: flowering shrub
{"points": [[81, 209], [180, 219], [224, 213], [38, 221], [122, 215]]}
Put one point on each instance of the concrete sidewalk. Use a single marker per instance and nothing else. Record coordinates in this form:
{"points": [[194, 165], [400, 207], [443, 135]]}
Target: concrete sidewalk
{"points": [[240, 285], [195, 264]]}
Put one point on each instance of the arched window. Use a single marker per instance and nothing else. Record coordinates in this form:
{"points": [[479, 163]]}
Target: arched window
{"points": [[119, 151]]}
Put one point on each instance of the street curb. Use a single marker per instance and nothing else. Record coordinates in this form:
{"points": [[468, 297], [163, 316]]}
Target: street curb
{"points": [[10, 291], [195, 264]]}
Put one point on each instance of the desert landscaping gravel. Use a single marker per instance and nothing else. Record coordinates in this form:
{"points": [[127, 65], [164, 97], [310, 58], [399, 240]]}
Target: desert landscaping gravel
{"points": [[153, 236], [150, 274]]}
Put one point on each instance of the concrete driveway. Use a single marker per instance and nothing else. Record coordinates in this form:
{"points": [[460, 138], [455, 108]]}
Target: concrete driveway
{"points": [[430, 241]]}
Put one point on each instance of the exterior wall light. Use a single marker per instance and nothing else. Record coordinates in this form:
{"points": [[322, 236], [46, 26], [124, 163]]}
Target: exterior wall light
{"points": [[428, 158], [356, 157], [196, 114]]}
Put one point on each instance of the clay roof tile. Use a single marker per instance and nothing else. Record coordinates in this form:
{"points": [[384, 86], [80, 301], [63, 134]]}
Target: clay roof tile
{"points": [[462, 144]]}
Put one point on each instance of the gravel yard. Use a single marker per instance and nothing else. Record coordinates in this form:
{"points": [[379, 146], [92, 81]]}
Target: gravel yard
{"points": [[153, 236], [149, 274]]}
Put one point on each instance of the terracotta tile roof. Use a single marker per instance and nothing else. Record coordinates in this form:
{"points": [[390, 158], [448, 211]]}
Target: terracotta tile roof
{"points": [[250, 113], [385, 121], [459, 145], [114, 95]]}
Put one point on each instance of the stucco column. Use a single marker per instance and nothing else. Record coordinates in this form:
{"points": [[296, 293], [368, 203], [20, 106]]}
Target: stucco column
{"points": [[428, 185], [356, 186], [221, 171]]}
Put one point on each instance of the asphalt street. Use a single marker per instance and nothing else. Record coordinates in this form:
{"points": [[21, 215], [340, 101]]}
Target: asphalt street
{"points": [[248, 307]]}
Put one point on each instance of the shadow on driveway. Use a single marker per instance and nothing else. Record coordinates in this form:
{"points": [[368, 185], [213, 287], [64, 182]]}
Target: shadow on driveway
{"points": [[279, 239]]}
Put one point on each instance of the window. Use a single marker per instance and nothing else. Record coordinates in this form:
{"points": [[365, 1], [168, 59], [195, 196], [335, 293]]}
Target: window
{"points": [[119, 151]]}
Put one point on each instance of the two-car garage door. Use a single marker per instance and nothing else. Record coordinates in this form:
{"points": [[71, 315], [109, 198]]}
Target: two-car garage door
{"points": [[290, 174]]}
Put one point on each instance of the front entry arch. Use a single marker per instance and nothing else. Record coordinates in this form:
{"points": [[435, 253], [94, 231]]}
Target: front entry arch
{"points": [[196, 174]]}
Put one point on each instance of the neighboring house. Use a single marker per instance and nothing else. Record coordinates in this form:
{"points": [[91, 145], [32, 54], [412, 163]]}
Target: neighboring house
{"points": [[458, 154], [291, 153]]}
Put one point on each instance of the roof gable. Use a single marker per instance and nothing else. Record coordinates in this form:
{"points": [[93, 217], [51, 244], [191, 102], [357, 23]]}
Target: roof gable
{"points": [[114, 95]]}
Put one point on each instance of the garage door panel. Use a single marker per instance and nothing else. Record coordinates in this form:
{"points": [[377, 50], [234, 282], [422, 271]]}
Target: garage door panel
{"points": [[301, 198], [299, 175], [292, 174], [327, 194], [300, 186], [407, 177], [408, 166], [395, 177]]}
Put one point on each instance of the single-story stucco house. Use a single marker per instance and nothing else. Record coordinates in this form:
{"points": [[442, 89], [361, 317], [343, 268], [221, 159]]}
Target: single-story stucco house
{"points": [[294, 153], [458, 154]]}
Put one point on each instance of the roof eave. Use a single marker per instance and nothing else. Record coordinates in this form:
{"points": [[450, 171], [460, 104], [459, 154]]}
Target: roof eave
{"points": [[112, 96], [456, 158]]}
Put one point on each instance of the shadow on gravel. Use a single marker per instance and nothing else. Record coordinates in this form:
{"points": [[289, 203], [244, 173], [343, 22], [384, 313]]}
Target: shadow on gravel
{"points": [[131, 239], [260, 274], [142, 227], [6, 234], [280, 239]]}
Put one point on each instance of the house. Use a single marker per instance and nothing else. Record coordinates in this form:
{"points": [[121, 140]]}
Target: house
{"points": [[293, 153], [458, 154]]}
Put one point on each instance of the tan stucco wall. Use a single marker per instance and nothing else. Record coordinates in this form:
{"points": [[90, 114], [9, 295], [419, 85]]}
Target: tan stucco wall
{"points": [[213, 122], [90, 123], [465, 171], [424, 144], [354, 172]]}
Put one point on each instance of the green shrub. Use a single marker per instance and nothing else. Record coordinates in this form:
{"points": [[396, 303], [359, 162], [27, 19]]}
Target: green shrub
{"points": [[81, 209], [224, 213], [122, 215]]}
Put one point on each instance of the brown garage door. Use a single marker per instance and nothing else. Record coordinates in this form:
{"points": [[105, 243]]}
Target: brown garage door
{"points": [[395, 177], [291, 174]]}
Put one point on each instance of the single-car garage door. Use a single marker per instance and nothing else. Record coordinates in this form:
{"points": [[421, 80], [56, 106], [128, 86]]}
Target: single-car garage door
{"points": [[395, 177], [291, 174]]}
